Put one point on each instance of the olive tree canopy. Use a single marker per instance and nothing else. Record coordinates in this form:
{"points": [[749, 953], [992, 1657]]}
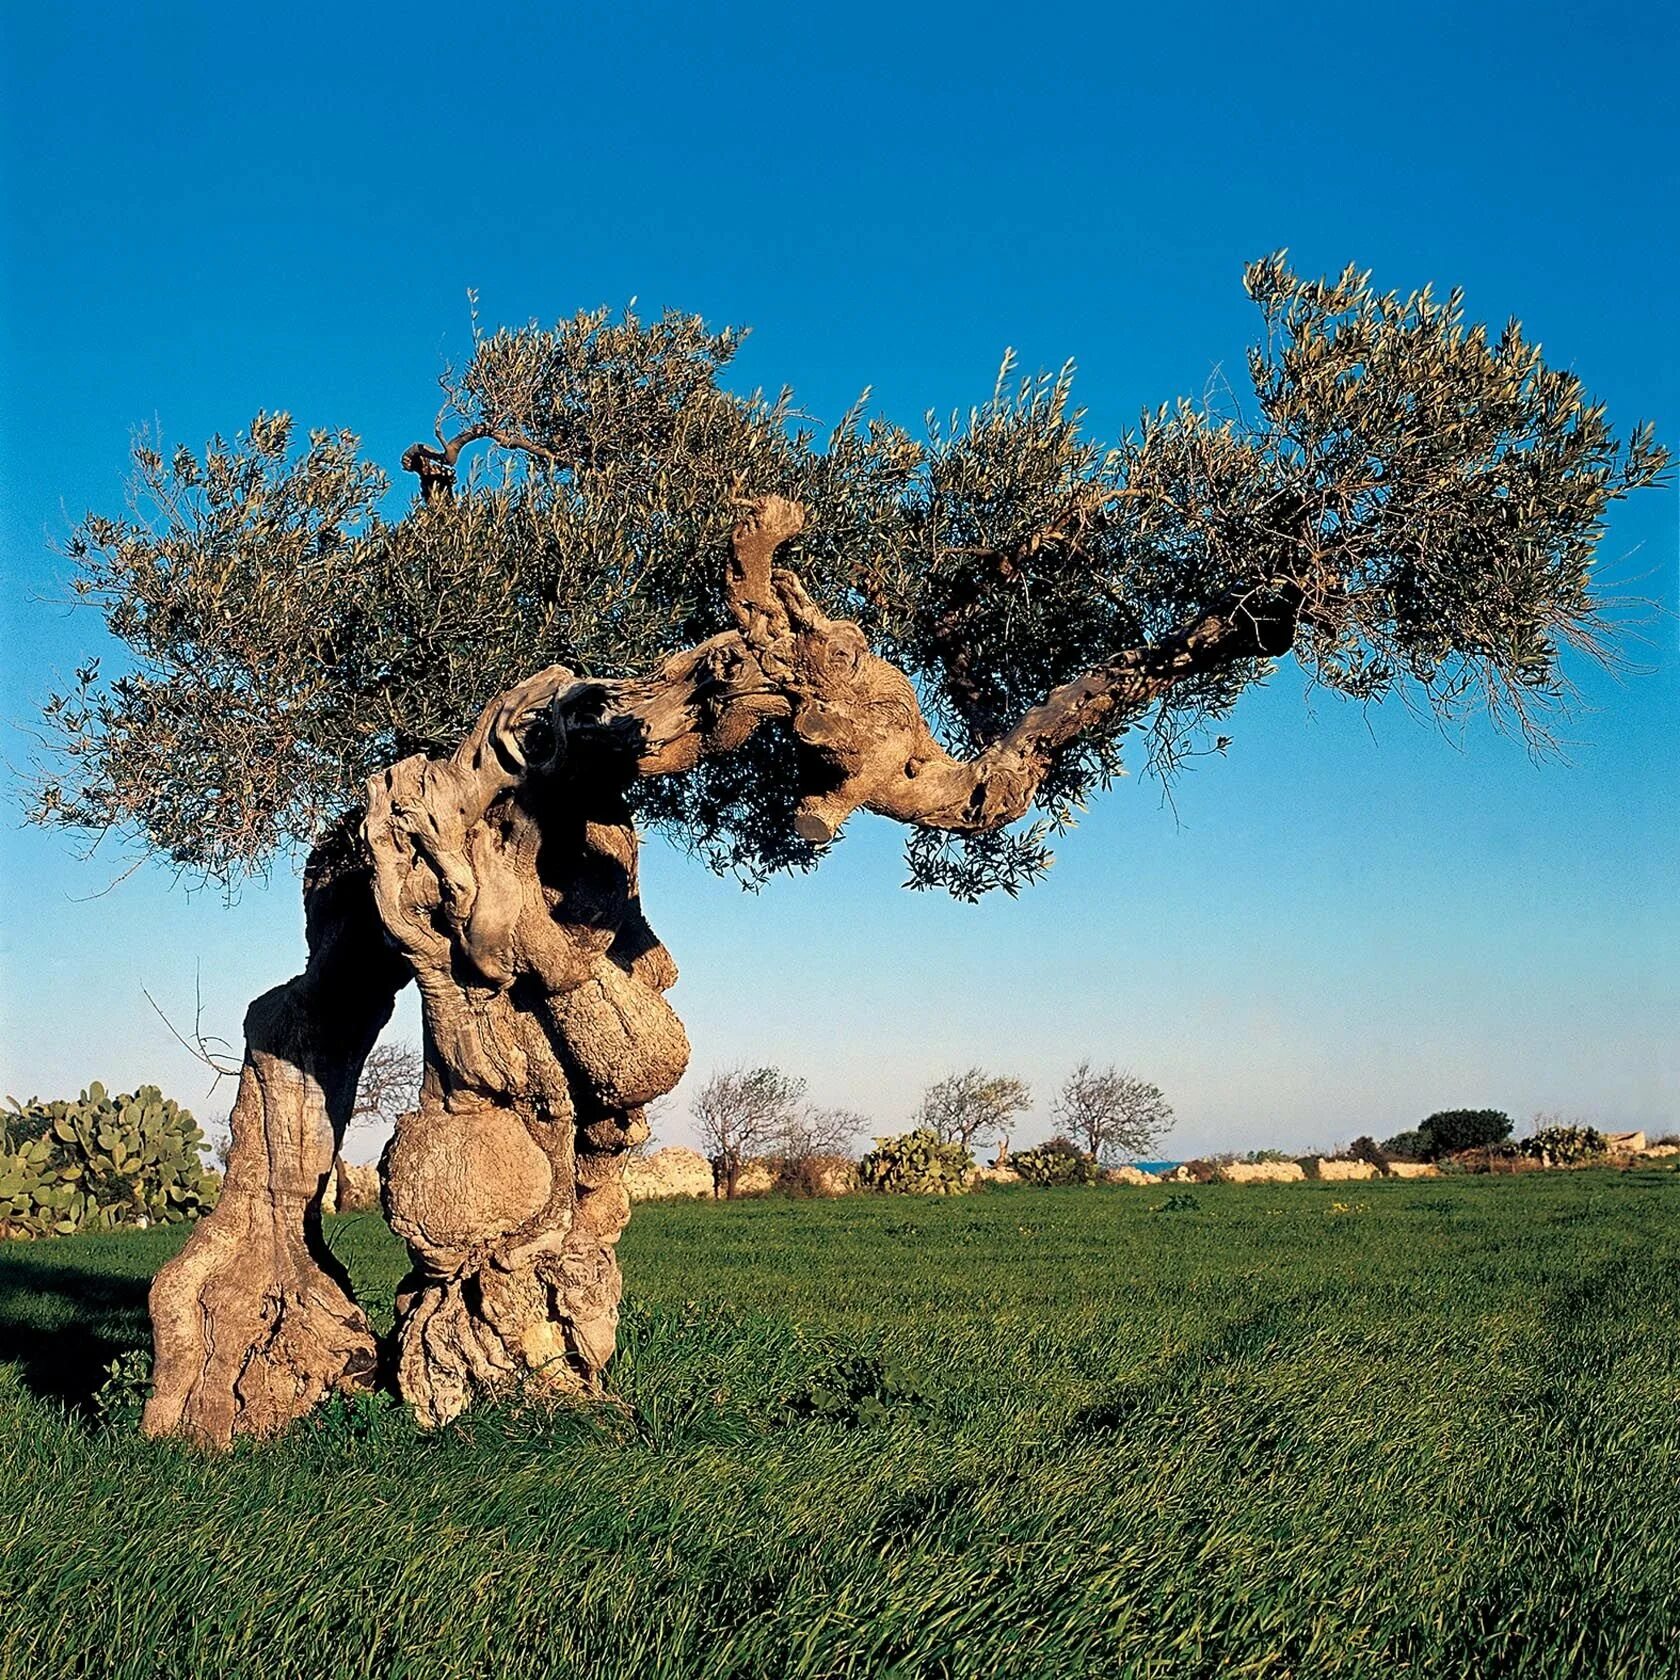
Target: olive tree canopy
{"points": [[1407, 499], [626, 596]]}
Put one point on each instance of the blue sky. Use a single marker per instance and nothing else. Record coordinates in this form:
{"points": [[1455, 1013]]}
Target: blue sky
{"points": [[1350, 921]]}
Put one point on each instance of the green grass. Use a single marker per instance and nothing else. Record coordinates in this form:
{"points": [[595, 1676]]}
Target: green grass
{"points": [[1433, 1433]]}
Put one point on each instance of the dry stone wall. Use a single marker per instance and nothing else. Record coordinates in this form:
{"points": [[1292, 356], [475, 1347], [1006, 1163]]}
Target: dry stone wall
{"points": [[668, 1173]]}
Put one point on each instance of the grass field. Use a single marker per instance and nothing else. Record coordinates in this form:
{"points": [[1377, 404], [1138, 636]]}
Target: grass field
{"points": [[1374, 1430]]}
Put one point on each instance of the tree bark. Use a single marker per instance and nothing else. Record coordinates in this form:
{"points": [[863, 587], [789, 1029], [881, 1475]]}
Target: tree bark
{"points": [[514, 898], [253, 1323]]}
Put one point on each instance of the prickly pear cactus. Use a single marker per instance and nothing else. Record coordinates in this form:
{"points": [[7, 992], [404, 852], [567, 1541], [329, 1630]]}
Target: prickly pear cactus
{"points": [[917, 1163], [1058, 1161], [100, 1162]]}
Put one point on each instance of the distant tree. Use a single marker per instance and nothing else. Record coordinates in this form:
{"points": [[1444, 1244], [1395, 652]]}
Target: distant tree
{"points": [[1448, 1131], [389, 1086], [1452, 1129], [1365, 1148], [1109, 1113], [811, 1131], [742, 1112], [972, 1108]]}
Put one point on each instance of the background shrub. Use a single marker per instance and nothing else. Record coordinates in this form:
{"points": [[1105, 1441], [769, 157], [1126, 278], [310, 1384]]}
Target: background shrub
{"points": [[917, 1163], [100, 1162], [1466, 1128], [1057, 1160], [1408, 1146], [817, 1175]]}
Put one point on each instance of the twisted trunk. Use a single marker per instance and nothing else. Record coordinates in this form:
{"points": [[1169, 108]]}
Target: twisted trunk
{"points": [[545, 1034], [253, 1324]]}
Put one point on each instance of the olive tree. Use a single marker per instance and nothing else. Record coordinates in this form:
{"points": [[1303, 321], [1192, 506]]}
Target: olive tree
{"points": [[625, 597]]}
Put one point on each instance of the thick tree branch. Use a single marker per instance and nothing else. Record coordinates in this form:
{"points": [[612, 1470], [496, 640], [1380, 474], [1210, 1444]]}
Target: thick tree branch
{"points": [[865, 744], [435, 468], [253, 1322]]}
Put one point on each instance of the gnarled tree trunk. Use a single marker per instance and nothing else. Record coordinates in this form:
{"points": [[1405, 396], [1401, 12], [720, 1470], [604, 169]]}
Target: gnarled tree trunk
{"points": [[545, 1034], [253, 1324], [503, 879]]}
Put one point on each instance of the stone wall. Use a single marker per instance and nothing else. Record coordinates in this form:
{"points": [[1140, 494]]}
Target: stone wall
{"points": [[1259, 1172], [1336, 1172], [667, 1172], [1129, 1175]]}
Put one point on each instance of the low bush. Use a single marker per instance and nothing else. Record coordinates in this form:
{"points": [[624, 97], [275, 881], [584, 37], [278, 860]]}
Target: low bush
{"points": [[101, 1162], [817, 1175], [1563, 1146], [916, 1163], [858, 1389], [1057, 1160]]}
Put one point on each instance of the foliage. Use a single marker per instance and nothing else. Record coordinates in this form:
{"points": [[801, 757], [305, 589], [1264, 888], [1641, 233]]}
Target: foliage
{"points": [[100, 1162], [1181, 1201], [918, 1162], [1057, 1160], [972, 1107], [1453, 1129], [1109, 1113], [1240, 1440], [121, 1397], [1366, 1148], [859, 1389], [1565, 1145], [1408, 1146], [1409, 500]]}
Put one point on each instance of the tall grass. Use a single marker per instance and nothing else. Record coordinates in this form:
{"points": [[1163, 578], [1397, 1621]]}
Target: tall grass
{"points": [[1369, 1429]]}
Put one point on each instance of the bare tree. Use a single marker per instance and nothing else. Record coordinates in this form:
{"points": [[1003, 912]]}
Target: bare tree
{"points": [[1109, 1113], [813, 1131], [741, 1112], [972, 1107], [389, 1086]]}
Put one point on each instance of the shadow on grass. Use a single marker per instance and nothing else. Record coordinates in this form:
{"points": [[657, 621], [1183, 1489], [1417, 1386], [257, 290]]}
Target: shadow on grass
{"points": [[61, 1325]]}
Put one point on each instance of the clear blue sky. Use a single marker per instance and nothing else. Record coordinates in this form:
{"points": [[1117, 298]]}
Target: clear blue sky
{"points": [[1349, 922]]}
